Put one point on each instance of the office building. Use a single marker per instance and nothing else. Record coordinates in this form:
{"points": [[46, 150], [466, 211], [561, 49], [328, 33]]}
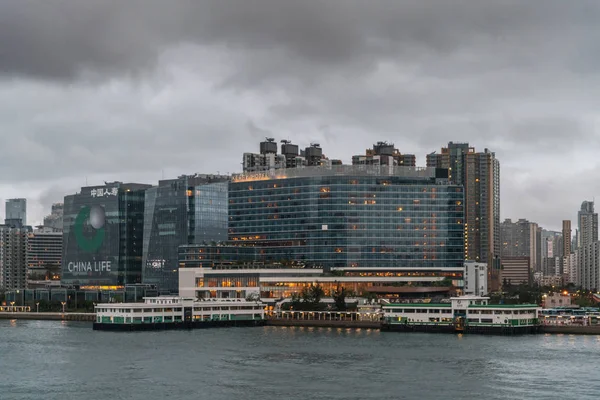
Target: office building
{"points": [[587, 224], [187, 210], [475, 279], [479, 174], [44, 254], [384, 153], [55, 219], [516, 271], [102, 238], [16, 212], [519, 239], [13, 257], [341, 217]]}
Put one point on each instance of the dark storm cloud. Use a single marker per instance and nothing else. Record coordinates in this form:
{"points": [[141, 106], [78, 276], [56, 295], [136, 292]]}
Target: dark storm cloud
{"points": [[107, 89], [62, 39]]}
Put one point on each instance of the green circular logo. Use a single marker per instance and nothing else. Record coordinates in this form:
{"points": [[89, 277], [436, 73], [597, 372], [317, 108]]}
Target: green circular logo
{"points": [[96, 217]]}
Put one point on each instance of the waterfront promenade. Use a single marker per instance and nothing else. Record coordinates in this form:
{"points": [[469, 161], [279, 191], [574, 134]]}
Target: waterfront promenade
{"points": [[324, 323], [54, 316]]}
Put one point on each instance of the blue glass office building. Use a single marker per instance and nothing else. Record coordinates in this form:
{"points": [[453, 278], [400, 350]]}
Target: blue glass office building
{"points": [[342, 216], [187, 210]]}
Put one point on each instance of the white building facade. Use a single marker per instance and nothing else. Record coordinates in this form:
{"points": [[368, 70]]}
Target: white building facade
{"points": [[475, 278]]}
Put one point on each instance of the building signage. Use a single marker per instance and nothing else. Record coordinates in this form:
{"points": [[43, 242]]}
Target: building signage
{"points": [[100, 192], [89, 266], [256, 176], [155, 264], [96, 216]]}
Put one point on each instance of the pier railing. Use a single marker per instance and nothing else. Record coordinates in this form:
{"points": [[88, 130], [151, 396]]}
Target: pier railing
{"points": [[326, 315]]}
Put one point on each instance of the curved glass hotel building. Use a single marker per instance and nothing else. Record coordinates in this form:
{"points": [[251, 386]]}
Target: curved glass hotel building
{"points": [[347, 216]]}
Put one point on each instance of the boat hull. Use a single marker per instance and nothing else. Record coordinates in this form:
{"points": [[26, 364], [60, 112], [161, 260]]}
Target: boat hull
{"points": [[164, 326], [482, 330]]}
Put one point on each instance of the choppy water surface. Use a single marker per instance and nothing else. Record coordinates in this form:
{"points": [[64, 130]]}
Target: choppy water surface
{"points": [[58, 360]]}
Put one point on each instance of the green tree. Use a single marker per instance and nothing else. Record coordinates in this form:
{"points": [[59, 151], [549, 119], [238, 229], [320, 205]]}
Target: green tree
{"points": [[312, 294], [295, 303], [339, 298], [369, 296]]}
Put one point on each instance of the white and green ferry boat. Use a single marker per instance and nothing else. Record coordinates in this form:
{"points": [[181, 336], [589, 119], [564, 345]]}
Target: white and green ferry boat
{"points": [[160, 313], [465, 314]]}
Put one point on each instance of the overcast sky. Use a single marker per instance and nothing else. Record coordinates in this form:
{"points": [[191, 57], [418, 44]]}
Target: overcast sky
{"points": [[129, 90]]}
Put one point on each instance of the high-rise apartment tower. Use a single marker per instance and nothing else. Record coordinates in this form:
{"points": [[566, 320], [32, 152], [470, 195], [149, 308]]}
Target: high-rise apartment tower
{"points": [[587, 221], [479, 174]]}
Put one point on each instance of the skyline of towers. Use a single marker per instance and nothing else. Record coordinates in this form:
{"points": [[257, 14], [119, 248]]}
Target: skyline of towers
{"points": [[520, 239]]}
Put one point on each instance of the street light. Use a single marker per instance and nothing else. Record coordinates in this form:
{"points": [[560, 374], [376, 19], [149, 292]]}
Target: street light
{"points": [[12, 306], [37, 307], [63, 304]]}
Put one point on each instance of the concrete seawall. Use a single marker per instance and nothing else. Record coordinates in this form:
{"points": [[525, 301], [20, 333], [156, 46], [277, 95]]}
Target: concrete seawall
{"points": [[89, 317], [323, 323], [571, 329], [565, 330]]}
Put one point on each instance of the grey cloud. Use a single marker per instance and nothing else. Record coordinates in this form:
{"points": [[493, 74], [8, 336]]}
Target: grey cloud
{"points": [[61, 39], [126, 89]]}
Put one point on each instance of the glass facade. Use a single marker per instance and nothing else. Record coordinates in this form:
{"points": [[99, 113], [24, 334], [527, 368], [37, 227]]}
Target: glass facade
{"points": [[102, 238], [343, 216], [190, 209]]}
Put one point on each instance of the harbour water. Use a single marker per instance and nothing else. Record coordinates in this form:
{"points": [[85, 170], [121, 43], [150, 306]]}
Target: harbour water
{"points": [[68, 361]]}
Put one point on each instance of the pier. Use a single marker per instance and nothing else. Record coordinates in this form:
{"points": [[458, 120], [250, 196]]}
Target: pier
{"points": [[326, 319]]}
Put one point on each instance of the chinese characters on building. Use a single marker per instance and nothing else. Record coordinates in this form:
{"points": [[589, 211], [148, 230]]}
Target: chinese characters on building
{"points": [[104, 192]]}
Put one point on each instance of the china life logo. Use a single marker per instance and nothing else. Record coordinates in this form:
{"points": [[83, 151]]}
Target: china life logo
{"points": [[97, 219]]}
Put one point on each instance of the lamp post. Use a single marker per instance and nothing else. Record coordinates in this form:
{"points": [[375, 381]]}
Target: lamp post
{"points": [[63, 305], [37, 307], [12, 306]]}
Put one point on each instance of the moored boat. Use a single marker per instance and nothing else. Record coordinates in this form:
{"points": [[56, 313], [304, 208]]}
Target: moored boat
{"points": [[162, 313], [465, 314]]}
